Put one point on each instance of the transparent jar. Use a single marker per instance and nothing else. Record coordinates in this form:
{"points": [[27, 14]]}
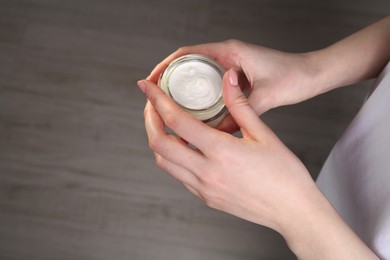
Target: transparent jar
{"points": [[194, 82]]}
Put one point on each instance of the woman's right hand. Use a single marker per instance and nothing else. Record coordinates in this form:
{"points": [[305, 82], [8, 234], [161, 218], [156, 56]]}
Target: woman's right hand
{"points": [[272, 78], [275, 78]]}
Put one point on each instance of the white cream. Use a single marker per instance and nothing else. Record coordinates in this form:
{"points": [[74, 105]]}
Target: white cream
{"points": [[195, 85]]}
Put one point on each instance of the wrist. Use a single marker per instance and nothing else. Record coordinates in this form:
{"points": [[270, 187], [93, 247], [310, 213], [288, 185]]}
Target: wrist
{"points": [[320, 73], [341, 63], [314, 230]]}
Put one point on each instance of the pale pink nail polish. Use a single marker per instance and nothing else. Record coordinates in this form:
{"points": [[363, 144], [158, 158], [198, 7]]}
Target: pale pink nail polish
{"points": [[142, 85], [233, 80]]}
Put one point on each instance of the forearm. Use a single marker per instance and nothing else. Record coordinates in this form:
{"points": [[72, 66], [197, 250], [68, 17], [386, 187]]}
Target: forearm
{"points": [[356, 58], [316, 231]]}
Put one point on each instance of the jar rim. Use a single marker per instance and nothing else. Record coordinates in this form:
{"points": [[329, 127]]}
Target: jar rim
{"points": [[204, 114]]}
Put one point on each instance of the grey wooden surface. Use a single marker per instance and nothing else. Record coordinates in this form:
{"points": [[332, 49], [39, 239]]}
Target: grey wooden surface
{"points": [[77, 180]]}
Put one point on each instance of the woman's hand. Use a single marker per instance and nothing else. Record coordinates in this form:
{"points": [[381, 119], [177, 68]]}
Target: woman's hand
{"points": [[256, 177], [253, 177], [273, 78]]}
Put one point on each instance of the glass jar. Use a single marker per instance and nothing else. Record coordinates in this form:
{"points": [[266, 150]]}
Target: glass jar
{"points": [[194, 82]]}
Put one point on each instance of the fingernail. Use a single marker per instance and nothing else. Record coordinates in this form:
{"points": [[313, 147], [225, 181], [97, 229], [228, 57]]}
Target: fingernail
{"points": [[142, 85], [233, 78]]}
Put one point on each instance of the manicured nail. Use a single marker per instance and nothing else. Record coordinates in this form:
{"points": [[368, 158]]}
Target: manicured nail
{"points": [[233, 78], [142, 85]]}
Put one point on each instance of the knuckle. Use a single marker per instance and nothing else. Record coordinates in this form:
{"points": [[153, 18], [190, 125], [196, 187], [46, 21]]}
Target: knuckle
{"points": [[238, 101], [210, 204], [171, 120], [211, 191], [211, 201], [182, 50], [233, 43], [210, 181], [146, 111], [160, 162], [155, 143], [241, 100], [153, 99]]}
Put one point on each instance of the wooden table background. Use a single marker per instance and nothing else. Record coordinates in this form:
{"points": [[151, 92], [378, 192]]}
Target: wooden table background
{"points": [[77, 180]]}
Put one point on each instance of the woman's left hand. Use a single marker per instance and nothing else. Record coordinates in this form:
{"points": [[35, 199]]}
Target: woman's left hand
{"points": [[255, 177]]}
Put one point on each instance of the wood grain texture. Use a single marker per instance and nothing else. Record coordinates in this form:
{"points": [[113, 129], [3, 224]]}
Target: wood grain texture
{"points": [[77, 180]]}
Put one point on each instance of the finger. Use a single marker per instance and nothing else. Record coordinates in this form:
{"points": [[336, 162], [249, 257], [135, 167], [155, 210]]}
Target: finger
{"points": [[195, 192], [209, 49], [246, 118], [187, 178], [183, 124], [169, 146], [156, 72], [181, 174]]}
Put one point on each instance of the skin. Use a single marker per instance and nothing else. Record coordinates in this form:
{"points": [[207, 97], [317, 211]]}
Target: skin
{"points": [[257, 177]]}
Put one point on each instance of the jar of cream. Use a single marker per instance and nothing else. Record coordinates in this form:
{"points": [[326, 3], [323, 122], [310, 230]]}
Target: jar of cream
{"points": [[194, 82]]}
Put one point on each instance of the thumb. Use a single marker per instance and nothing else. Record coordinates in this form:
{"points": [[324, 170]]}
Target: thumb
{"points": [[250, 124]]}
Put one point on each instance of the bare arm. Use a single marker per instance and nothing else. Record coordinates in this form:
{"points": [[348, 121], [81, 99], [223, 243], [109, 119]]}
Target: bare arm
{"points": [[255, 177], [358, 57], [277, 78]]}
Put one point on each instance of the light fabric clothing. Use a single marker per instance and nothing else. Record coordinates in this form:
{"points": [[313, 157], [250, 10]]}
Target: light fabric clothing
{"points": [[356, 176]]}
